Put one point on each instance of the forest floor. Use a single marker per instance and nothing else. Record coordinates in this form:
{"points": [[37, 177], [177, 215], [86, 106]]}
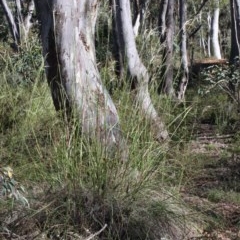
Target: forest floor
{"points": [[214, 187]]}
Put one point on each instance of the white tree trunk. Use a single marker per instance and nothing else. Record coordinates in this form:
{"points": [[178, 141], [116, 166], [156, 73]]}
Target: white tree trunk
{"points": [[214, 32], [136, 25], [68, 43], [139, 12], [209, 33], [11, 22], [136, 68], [27, 24], [183, 51], [19, 25], [162, 19]]}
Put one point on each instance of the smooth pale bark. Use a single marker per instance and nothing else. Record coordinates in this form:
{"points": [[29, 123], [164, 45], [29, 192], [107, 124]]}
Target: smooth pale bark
{"points": [[209, 33], [67, 30], [136, 25], [137, 70], [19, 25], [162, 19], [27, 23], [214, 32], [139, 9], [11, 22], [166, 38], [184, 75], [235, 31]]}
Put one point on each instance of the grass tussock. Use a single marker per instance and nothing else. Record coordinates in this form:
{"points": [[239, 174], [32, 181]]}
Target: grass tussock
{"points": [[74, 189]]}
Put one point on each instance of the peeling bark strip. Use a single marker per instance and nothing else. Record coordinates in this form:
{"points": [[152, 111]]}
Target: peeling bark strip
{"points": [[67, 30], [138, 72]]}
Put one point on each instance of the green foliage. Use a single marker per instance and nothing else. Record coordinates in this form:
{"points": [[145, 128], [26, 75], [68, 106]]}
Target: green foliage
{"points": [[9, 188], [220, 85], [224, 78], [74, 188], [3, 27], [24, 67]]}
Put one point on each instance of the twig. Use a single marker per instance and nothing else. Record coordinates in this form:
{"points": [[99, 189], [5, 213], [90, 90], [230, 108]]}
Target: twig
{"points": [[97, 233], [215, 137], [201, 7]]}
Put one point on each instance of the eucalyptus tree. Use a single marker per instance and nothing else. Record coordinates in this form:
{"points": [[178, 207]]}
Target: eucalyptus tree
{"points": [[11, 22], [235, 31], [67, 32], [137, 71], [139, 7], [166, 30], [20, 22], [184, 72], [235, 48], [214, 31]]}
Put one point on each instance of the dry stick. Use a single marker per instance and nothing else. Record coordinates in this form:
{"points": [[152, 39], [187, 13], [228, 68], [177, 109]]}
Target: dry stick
{"points": [[216, 137], [201, 7], [97, 233]]}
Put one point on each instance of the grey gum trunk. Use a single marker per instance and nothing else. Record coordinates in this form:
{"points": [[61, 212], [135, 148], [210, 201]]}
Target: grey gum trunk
{"points": [[67, 32], [137, 70]]}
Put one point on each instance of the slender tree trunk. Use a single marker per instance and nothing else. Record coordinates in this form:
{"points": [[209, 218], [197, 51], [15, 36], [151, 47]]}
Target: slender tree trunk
{"points": [[201, 35], [209, 33], [136, 68], [235, 31], [67, 32], [166, 38], [235, 47], [139, 8], [214, 32], [18, 14], [27, 24], [118, 54], [12, 24], [162, 19], [183, 51], [19, 25]]}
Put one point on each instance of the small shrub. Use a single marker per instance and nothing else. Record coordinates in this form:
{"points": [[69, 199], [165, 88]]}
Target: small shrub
{"points": [[10, 188]]}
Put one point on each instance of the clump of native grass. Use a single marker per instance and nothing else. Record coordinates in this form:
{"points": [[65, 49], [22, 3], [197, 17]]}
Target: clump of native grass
{"points": [[74, 189]]}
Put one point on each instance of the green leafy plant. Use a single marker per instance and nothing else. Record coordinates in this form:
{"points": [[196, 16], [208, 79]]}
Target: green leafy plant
{"points": [[222, 78], [10, 188]]}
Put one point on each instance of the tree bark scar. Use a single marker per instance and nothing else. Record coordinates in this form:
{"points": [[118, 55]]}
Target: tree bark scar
{"points": [[84, 41]]}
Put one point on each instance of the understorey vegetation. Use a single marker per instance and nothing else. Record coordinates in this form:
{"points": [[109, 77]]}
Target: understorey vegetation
{"points": [[55, 183]]}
